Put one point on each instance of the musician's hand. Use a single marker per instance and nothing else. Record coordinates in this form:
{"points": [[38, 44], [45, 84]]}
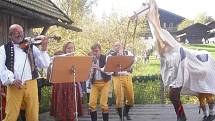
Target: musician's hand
{"points": [[129, 69], [95, 66], [70, 54], [44, 43], [17, 83]]}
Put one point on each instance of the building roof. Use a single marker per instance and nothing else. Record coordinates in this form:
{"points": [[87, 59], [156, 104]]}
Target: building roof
{"points": [[48, 11], [192, 27], [163, 11], [46, 7], [211, 25]]}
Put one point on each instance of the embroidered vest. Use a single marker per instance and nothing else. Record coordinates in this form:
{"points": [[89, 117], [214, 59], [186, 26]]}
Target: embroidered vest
{"points": [[9, 51]]}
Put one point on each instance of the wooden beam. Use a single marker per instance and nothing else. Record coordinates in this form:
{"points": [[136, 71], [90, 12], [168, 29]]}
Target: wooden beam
{"points": [[69, 27], [162, 91], [36, 16], [45, 29]]}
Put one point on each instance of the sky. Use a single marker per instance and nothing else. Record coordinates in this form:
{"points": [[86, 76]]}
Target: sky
{"points": [[186, 8]]}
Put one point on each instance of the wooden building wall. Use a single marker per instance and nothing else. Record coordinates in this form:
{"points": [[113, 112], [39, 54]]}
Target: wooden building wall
{"points": [[169, 21], [195, 33], [6, 20], [4, 25]]}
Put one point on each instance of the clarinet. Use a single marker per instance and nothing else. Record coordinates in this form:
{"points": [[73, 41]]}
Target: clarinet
{"points": [[93, 72]]}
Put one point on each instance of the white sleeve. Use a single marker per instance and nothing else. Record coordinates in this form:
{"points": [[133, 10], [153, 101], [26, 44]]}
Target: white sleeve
{"points": [[42, 59], [131, 54], [7, 77], [102, 69], [108, 73]]}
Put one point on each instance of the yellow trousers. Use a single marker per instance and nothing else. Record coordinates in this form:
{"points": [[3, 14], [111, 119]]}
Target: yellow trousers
{"points": [[205, 98], [123, 89], [102, 88], [27, 96]]}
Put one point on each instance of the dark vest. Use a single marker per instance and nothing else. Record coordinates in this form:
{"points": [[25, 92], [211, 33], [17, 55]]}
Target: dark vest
{"points": [[102, 62], [9, 51]]}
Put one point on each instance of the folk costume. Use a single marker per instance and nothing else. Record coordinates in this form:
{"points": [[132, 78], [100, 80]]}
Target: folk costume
{"points": [[123, 81], [18, 64], [100, 85], [183, 70], [63, 100]]}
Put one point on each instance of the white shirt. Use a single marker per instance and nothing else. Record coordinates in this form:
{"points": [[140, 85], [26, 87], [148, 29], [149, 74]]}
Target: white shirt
{"points": [[98, 75], [22, 69]]}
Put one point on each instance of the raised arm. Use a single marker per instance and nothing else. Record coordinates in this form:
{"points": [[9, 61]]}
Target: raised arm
{"points": [[154, 23]]}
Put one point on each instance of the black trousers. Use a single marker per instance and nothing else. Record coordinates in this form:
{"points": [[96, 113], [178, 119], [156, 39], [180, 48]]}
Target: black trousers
{"points": [[174, 95]]}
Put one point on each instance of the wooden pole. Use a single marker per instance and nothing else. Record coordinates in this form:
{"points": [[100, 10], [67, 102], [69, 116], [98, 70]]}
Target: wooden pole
{"points": [[161, 90]]}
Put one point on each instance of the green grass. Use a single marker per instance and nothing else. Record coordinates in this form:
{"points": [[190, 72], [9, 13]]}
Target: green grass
{"points": [[147, 93], [210, 48], [150, 68], [45, 99]]}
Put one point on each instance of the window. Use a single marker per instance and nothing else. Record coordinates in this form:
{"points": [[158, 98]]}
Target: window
{"points": [[164, 25], [171, 25]]}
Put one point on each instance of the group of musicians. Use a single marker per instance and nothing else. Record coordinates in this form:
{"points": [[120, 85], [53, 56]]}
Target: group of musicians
{"points": [[19, 71]]}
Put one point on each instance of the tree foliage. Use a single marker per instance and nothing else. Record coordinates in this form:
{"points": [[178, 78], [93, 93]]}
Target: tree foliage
{"points": [[203, 18], [106, 31], [184, 24], [76, 9], [200, 18]]}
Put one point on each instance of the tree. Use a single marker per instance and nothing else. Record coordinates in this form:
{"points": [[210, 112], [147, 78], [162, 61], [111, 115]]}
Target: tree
{"points": [[203, 18], [200, 18], [107, 31], [184, 24], [76, 9]]}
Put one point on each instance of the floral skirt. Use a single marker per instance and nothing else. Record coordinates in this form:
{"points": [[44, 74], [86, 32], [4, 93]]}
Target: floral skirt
{"points": [[3, 102], [63, 102]]}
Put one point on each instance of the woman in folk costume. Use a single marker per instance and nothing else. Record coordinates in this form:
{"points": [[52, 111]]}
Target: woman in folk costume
{"points": [[63, 97], [183, 70], [3, 100]]}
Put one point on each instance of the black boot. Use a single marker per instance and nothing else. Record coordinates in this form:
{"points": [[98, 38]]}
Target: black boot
{"points": [[93, 116], [126, 111], [210, 118], [21, 116], [174, 96], [105, 116], [119, 111], [181, 114], [211, 108], [204, 118], [181, 118]]}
